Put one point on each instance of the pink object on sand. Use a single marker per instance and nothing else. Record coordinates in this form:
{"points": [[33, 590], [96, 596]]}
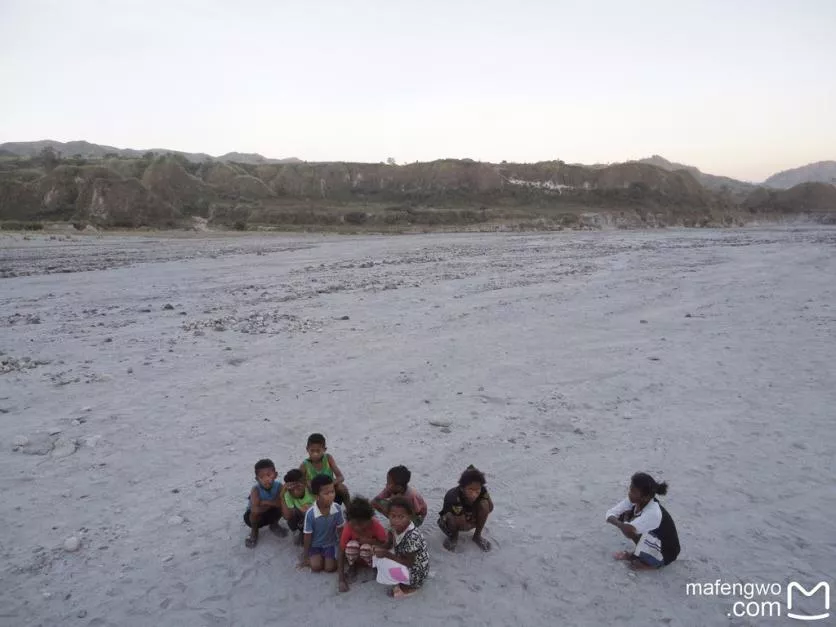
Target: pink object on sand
{"points": [[398, 575]]}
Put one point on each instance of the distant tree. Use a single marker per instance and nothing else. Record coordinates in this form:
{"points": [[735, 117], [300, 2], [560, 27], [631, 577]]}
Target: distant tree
{"points": [[111, 155], [391, 161], [149, 156], [48, 158]]}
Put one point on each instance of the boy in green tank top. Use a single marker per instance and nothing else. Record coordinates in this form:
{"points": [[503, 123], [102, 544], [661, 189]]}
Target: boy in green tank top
{"points": [[295, 501], [320, 462]]}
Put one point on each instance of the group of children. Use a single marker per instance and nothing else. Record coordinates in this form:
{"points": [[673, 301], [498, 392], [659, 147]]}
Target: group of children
{"points": [[343, 534], [340, 533]]}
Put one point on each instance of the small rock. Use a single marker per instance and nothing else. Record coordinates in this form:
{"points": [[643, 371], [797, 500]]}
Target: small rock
{"points": [[144, 311], [345, 318], [82, 613], [130, 370], [688, 315], [176, 491], [578, 431], [75, 422], [653, 358], [72, 544], [168, 307], [175, 520], [87, 409], [642, 321], [168, 558], [108, 340], [445, 430], [439, 422], [198, 333], [20, 440], [63, 448]]}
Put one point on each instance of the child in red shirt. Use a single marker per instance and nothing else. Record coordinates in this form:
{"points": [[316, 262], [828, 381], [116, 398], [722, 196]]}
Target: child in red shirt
{"points": [[359, 537]]}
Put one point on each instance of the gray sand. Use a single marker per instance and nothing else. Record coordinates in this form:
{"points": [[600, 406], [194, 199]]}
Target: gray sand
{"points": [[133, 427]]}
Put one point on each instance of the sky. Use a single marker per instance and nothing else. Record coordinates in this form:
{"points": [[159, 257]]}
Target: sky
{"points": [[742, 88]]}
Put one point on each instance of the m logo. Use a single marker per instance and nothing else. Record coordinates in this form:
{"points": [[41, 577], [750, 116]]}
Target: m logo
{"points": [[808, 593]]}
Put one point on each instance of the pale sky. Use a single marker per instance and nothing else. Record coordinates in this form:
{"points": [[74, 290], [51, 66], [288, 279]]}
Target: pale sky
{"points": [[736, 87]]}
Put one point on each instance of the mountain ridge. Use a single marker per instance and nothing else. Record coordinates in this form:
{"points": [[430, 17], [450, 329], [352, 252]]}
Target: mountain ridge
{"points": [[89, 150], [817, 172]]}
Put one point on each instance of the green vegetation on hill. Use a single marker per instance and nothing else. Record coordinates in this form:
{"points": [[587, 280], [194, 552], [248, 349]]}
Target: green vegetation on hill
{"points": [[170, 190]]}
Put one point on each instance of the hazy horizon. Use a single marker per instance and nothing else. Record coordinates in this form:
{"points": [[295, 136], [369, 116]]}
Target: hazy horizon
{"points": [[743, 89]]}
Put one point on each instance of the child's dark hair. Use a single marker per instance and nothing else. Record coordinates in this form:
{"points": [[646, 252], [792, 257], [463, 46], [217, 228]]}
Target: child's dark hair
{"points": [[316, 438], [359, 509], [263, 464], [293, 475], [472, 475], [400, 475], [647, 485], [403, 503], [319, 482]]}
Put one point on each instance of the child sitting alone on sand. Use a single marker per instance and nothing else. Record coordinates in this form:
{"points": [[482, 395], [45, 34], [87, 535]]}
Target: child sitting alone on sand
{"points": [[466, 507], [296, 500], [404, 563], [323, 524], [320, 462], [397, 484], [642, 519], [359, 537], [264, 507]]}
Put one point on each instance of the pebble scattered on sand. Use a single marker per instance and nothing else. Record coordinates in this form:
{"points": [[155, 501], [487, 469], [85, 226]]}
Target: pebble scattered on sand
{"points": [[72, 544], [175, 520]]}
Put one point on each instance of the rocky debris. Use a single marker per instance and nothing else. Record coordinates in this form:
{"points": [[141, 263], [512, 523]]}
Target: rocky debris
{"points": [[168, 307], [176, 520], [13, 364], [258, 322], [72, 544], [17, 318], [440, 422], [50, 443]]}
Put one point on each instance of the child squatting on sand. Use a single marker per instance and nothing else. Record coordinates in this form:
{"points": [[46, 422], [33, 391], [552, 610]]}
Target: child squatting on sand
{"points": [[264, 507], [405, 562], [323, 524], [642, 519], [320, 462], [397, 484], [466, 507], [359, 537], [296, 501]]}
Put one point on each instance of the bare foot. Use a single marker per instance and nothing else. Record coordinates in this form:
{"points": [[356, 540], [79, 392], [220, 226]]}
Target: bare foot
{"points": [[278, 530], [299, 539], [637, 565], [450, 544], [401, 591], [343, 585], [483, 544], [623, 555], [251, 540]]}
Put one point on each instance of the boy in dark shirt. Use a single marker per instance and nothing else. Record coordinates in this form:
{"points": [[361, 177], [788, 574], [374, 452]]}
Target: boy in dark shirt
{"points": [[466, 507]]}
